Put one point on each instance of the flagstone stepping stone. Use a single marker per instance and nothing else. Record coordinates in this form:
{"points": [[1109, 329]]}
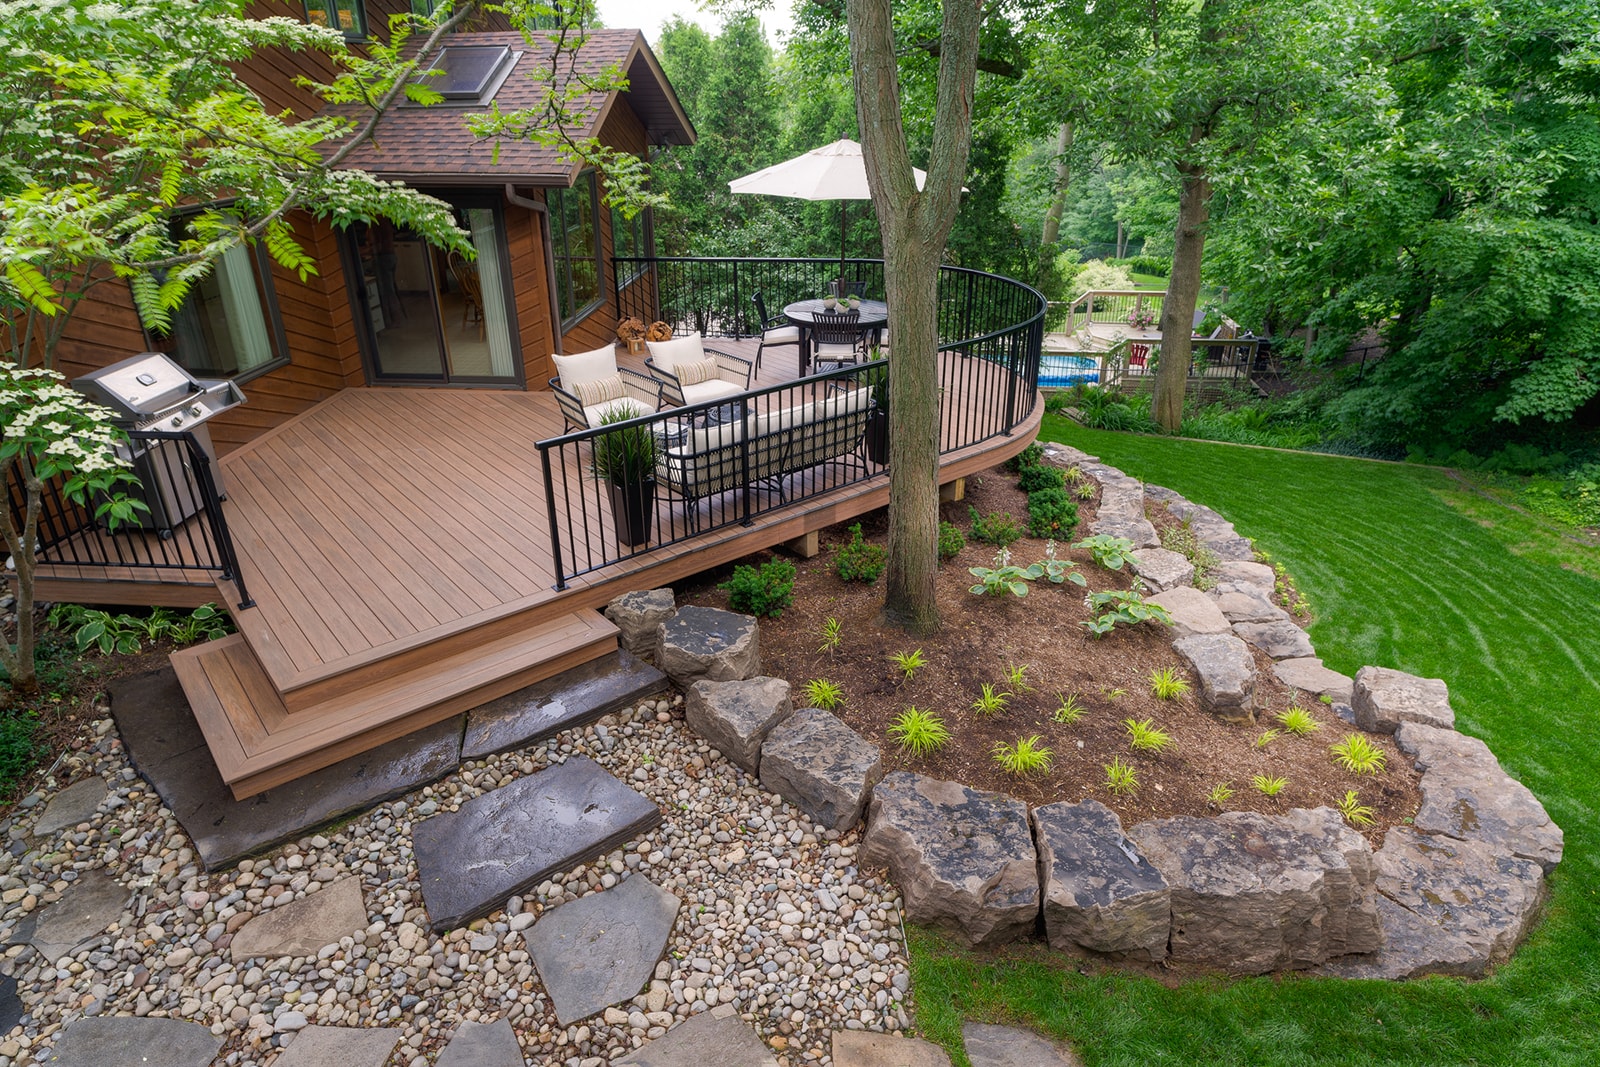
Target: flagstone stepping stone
{"points": [[602, 948], [341, 1046], [708, 643], [166, 746], [126, 1041], [1384, 698], [482, 1045], [85, 909], [704, 1041], [1192, 611], [571, 699], [502, 843], [961, 858], [75, 804], [1227, 674], [1308, 674], [1008, 1046], [1162, 569], [1100, 894], [863, 1048], [11, 1007], [737, 716], [816, 762], [638, 615], [1280, 640], [305, 926]]}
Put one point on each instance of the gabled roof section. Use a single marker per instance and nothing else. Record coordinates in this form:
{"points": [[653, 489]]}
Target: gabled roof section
{"points": [[432, 145]]}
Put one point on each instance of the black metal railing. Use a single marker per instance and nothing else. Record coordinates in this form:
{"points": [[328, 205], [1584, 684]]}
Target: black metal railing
{"points": [[729, 461], [183, 530], [715, 297]]}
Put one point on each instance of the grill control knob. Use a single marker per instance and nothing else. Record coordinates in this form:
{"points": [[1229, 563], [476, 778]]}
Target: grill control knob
{"points": [[195, 411], [177, 420]]}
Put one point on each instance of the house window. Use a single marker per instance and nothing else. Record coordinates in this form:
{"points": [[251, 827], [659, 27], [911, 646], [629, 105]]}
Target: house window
{"points": [[422, 8], [346, 15], [574, 226], [228, 326], [629, 240]]}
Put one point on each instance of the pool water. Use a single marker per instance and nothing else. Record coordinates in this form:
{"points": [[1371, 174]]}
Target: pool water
{"points": [[1060, 370]]}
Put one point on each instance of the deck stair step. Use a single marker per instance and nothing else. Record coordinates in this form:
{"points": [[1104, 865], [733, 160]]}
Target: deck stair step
{"points": [[505, 842], [259, 743], [571, 699]]}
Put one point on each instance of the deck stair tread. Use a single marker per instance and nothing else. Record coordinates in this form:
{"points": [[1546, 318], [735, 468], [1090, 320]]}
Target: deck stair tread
{"points": [[259, 742]]}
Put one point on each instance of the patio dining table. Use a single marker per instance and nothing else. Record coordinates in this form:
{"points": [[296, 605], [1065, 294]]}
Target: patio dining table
{"points": [[874, 317]]}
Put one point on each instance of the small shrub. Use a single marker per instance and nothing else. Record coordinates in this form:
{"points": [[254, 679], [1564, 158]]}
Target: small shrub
{"points": [[1027, 755], [1167, 684], [821, 693], [1219, 796], [1356, 754], [1351, 808], [1299, 722], [1051, 514], [1144, 737], [1028, 457], [1034, 479], [766, 591], [918, 732], [909, 663], [1120, 778], [857, 560], [990, 700], [832, 636], [996, 528], [1070, 710], [951, 541], [1269, 786]]}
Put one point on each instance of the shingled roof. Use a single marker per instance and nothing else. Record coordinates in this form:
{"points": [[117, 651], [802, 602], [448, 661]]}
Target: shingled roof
{"points": [[432, 145]]}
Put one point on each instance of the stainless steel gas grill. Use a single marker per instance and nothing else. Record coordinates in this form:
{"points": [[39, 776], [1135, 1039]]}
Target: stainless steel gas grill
{"points": [[152, 393]]}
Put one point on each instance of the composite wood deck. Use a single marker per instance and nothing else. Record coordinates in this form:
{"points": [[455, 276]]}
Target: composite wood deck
{"points": [[396, 544]]}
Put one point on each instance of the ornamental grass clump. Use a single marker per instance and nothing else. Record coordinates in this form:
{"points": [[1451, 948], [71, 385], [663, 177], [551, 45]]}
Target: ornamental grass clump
{"points": [[1024, 756], [918, 732], [1358, 755]]}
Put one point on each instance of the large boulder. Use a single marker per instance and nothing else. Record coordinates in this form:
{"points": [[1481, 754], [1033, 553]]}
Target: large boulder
{"points": [[961, 858], [1280, 640], [1192, 611], [638, 615], [816, 762], [1385, 698], [1256, 893], [1227, 674], [736, 716], [708, 643], [1162, 569], [1308, 674], [1467, 795], [1100, 894]]}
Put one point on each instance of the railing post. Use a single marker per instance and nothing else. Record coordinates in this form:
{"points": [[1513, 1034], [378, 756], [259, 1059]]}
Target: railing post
{"points": [[218, 524], [550, 509], [738, 306], [746, 493]]}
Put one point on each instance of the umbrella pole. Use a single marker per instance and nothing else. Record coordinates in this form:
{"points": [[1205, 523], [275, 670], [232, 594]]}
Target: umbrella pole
{"points": [[844, 213]]}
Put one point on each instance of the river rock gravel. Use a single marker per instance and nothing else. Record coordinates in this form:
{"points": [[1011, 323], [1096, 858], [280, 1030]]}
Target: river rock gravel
{"points": [[778, 921]]}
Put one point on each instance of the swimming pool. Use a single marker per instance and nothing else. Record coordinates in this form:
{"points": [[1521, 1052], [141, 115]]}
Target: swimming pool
{"points": [[1061, 370]]}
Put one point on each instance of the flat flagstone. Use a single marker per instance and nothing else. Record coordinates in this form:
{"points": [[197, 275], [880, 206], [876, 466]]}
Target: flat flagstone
{"points": [[1009, 1046], [75, 804], [862, 1048], [482, 1045], [304, 927], [1308, 673], [85, 909], [704, 1041], [341, 1046], [573, 698], [601, 949], [166, 747], [502, 843], [11, 1008], [125, 1041]]}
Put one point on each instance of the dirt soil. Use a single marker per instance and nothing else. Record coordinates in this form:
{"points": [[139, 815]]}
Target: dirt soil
{"points": [[984, 635]]}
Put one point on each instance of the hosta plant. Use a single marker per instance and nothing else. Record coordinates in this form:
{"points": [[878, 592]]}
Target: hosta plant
{"points": [[918, 732], [1110, 552], [1167, 684], [821, 693], [1003, 577], [1026, 755], [1356, 754]]}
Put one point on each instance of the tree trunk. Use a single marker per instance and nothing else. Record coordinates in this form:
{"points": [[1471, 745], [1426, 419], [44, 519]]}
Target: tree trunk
{"points": [[1058, 202], [18, 658], [914, 226], [1122, 240], [1183, 293]]}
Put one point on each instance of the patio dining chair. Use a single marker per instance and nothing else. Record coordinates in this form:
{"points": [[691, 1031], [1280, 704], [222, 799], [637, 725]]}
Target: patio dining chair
{"points": [[845, 287], [776, 332], [471, 286], [837, 339]]}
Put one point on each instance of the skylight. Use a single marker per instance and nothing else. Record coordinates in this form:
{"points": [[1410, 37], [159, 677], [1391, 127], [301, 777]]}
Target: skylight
{"points": [[469, 72]]}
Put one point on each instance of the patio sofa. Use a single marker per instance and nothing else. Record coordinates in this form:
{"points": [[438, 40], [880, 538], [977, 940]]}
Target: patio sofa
{"points": [[707, 460]]}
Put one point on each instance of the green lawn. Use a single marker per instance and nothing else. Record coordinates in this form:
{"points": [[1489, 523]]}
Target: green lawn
{"points": [[1404, 569]]}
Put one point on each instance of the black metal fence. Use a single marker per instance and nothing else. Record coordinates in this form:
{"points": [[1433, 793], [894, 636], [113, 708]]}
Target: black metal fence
{"points": [[716, 297], [733, 459], [183, 530]]}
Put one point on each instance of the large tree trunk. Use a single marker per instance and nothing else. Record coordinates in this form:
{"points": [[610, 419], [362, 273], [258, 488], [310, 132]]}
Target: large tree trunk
{"points": [[1183, 293], [1058, 202], [914, 226]]}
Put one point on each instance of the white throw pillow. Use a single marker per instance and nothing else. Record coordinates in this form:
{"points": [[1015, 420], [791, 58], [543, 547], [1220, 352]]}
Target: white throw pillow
{"points": [[689, 348], [585, 366]]}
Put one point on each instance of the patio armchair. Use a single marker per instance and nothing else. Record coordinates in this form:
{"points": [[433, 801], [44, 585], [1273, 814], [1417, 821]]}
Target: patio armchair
{"points": [[837, 338], [776, 331], [690, 373], [590, 386], [1138, 357]]}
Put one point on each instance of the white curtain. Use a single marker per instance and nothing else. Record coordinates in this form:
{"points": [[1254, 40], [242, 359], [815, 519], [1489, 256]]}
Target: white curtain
{"points": [[241, 306], [496, 321]]}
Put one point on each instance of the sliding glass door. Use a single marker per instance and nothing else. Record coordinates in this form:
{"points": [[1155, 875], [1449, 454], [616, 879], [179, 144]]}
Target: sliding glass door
{"points": [[432, 316]]}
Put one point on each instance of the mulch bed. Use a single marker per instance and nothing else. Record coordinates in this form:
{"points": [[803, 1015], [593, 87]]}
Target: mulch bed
{"points": [[982, 636]]}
